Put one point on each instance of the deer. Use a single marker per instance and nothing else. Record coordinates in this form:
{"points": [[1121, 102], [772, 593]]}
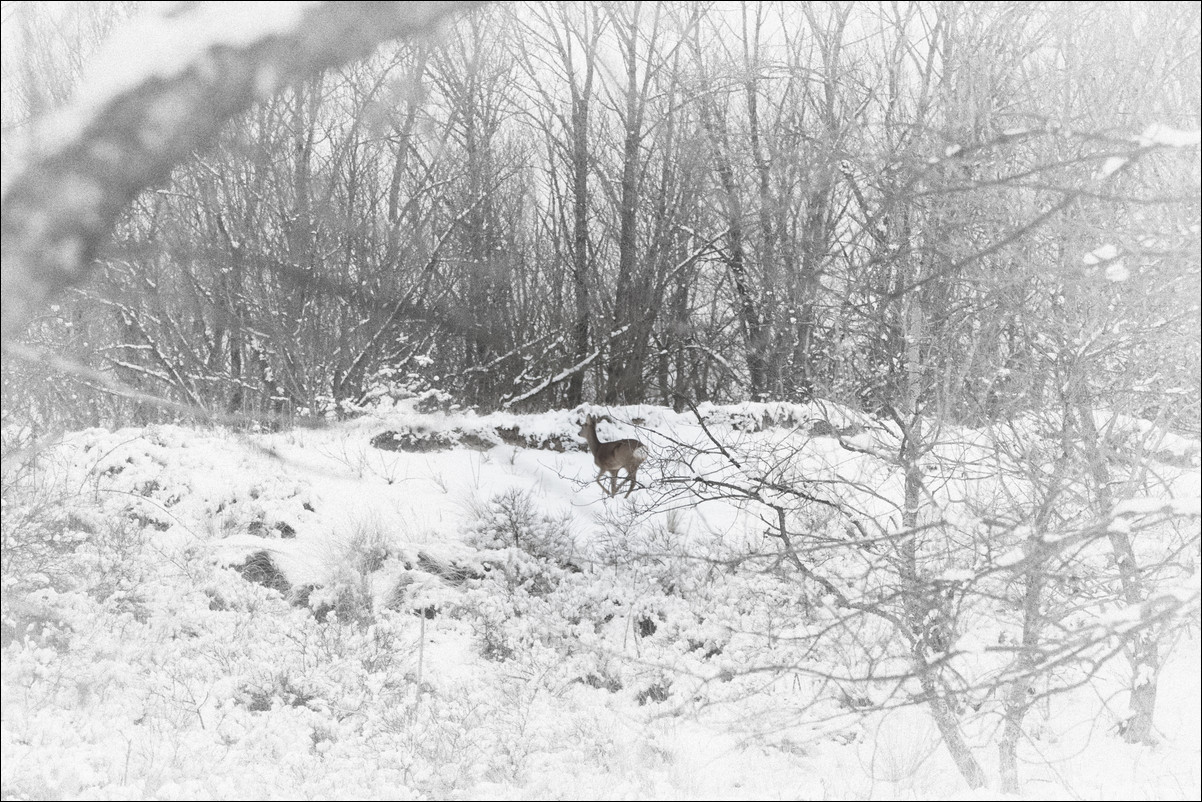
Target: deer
{"points": [[620, 454]]}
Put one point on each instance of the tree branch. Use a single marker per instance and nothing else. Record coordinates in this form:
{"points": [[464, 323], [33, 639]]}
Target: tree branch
{"points": [[59, 209]]}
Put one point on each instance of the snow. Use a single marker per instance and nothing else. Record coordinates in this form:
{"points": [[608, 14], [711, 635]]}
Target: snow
{"points": [[1149, 506], [162, 42], [1112, 166], [172, 37], [1117, 271], [649, 669], [1159, 134], [1103, 253]]}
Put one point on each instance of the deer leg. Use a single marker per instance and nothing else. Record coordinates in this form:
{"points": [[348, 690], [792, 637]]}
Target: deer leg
{"points": [[613, 483], [601, 484], [630, 476]]}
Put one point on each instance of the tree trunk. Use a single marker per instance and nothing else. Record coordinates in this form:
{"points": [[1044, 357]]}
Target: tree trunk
{"points": [[1019, 695], [580, 156], [924, 634], [626, 360], [751, 320], [1142, 648]]}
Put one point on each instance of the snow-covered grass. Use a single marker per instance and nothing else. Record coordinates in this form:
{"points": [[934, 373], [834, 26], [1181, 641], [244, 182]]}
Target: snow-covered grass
{"points": [[478, 620]]}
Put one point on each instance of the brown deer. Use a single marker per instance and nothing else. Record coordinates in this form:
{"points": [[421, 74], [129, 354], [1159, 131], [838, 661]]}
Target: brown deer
{"points": [[612, 457]]}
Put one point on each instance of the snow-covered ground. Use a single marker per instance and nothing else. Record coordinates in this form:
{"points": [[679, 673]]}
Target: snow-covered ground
{"points": [[478, 620]]}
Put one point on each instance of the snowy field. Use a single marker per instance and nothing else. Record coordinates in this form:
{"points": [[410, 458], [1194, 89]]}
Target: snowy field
{"points": [[470, 616]]}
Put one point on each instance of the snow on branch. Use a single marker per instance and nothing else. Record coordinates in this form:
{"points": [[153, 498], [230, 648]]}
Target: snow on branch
{"points": [[167, 87]]}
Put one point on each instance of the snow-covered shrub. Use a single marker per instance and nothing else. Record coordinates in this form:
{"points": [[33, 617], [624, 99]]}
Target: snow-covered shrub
{"points": [[535, 601], [40, 532], [515, 520], [515, 435], [62, 546], [414, 438], [353, 567]]}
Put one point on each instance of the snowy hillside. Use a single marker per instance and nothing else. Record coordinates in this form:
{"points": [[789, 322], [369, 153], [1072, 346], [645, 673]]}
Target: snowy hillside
{"points": [[435, 604]]}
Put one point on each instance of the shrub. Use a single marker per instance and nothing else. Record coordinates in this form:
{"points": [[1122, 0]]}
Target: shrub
{"points": [[512, 520]]}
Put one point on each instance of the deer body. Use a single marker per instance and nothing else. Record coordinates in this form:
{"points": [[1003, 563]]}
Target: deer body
{"points": [[619, 455]]}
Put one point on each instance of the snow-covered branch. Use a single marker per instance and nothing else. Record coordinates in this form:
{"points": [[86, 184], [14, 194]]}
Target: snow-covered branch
{"points": [[169, 84]]}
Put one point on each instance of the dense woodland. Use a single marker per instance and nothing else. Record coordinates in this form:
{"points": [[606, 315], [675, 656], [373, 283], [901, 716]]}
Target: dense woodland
{"points": [[663, 202]]}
